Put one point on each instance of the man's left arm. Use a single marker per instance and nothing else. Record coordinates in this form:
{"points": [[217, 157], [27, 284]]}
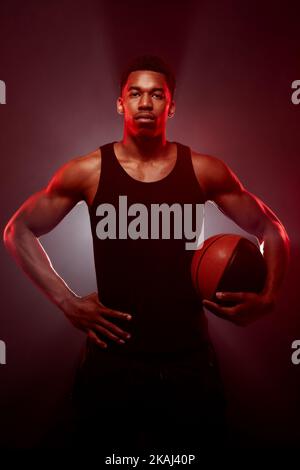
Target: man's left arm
{"points": [[222, 187]]}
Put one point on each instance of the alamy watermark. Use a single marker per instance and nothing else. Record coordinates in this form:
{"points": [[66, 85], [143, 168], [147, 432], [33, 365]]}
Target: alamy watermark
{"points": [[2, 352], [2, 92], [160, 221], [296, 94], [295, 357]]}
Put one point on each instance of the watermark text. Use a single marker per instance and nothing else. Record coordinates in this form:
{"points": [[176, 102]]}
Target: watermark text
{"points": [[2, 92]]}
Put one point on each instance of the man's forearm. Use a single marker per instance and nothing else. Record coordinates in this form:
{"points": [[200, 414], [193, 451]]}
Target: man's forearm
{"points": [[276, 254], [29, 254]]}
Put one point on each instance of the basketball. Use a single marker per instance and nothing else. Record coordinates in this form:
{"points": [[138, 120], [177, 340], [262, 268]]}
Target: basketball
{"points": [[227, 263]]}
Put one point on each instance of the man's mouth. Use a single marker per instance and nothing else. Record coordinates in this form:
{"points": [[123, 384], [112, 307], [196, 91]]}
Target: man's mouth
{"points": [[145, 117]]}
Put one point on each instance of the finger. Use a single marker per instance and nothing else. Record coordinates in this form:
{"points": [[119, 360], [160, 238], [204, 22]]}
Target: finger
{"points": [[96, 340], [231, 296], [108, 333], [114, 328], [116, 314]]}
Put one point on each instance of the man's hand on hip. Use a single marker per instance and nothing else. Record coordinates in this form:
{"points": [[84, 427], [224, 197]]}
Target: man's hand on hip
{"points": [[90, 315]]}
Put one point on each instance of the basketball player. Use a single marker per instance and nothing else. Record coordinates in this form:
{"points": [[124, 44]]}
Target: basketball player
{"points": [[149, 377]]}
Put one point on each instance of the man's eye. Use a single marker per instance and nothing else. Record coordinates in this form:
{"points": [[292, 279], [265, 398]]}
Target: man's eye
{"points": [[135, 93], [158, 96]]}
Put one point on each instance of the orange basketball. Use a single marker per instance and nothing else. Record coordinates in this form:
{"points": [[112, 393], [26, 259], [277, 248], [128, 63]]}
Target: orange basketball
{"points": [[228, 263]]}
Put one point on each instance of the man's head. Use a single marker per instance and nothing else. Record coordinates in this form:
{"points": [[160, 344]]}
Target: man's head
{"points": [[150, 62], [146, 90]]}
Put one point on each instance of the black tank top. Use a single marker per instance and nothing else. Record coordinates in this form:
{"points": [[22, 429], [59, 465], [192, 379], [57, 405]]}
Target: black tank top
{"points": [[141, 261]]}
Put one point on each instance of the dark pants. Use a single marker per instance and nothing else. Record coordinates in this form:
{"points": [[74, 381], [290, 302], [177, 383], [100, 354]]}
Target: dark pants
{"points": [[144, 401]]}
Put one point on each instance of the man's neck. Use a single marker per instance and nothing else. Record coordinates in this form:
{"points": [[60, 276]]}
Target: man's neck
{"points": [[144, 148]]}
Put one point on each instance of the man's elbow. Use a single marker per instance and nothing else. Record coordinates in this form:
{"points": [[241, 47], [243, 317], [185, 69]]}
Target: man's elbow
{"points": [[12, 231], [276, 229], [284, 236], [7, 232]]}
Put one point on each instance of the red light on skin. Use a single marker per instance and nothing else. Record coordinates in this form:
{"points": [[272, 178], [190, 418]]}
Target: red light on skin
{"points": [[146, 95]]}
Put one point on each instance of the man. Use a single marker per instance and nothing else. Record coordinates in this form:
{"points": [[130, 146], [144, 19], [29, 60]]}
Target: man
{"points": [[149, 376]]}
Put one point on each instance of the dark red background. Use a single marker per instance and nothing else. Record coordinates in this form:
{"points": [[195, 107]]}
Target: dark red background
{"points": [[235, 62]]}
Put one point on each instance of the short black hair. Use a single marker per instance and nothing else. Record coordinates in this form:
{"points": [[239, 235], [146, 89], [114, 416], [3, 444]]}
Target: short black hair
{"points": [[149, 62]]}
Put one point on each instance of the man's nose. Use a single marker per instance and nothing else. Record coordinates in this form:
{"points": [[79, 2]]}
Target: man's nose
{"points": [[145, 101]]}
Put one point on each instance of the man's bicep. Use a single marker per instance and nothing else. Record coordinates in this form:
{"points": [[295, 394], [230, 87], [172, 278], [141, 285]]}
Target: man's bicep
{"points": [[224, 188], [245, 209], [42, 211]]}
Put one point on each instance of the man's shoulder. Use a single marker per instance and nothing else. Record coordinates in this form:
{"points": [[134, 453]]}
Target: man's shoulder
{"points": [[204, 158], [86, 162], [206, 164], [77, 173], [84, 166], [212, 173]]}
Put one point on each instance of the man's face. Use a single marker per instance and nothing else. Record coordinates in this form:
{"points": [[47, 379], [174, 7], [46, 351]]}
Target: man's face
{"points": [[146, 103]]}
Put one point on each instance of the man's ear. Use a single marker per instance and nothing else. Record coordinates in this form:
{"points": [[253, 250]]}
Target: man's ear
{"points": [[120, 107], [171, 109]]}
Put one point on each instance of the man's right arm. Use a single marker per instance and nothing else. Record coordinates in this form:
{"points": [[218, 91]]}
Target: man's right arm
{"points": [[39, 214]]}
